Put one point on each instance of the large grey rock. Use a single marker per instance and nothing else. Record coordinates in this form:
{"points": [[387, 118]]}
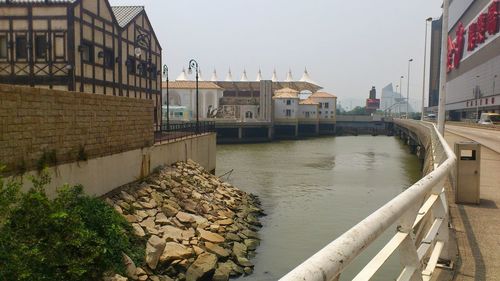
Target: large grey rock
{"points": [[154, 249], [252, 244], [169, 210], [216, 249], [184, 217], [138, 230], [175, 251], [203, 268], [239, 249], [210, 236], [130, 267]]}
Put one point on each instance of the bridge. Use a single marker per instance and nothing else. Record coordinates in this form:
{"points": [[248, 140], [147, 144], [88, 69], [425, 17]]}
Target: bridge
{"points": [[435, 238]]}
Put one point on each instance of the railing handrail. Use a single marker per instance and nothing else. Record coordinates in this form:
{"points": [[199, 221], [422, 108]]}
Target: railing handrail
{"points": [[329, 262]]}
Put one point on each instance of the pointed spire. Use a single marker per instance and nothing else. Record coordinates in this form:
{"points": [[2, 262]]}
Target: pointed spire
{"points": [[183, 76], [306, 77], [244, 77], [214, 76], [274, 78], [289, 77], [259, 76], [229, 77]]}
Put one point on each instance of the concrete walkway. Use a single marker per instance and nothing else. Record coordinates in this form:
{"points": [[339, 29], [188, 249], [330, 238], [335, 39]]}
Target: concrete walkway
{"points": [[478, 226]]}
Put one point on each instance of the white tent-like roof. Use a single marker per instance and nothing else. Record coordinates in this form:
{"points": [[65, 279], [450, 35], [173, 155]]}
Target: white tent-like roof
{"points": [[182, 76], [274, 78], [229, 77], [307, 78], [259, 76], [244, 77], [214, 76], [289, 77]]}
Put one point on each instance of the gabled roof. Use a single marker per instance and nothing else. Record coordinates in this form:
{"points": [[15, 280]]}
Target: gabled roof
{"points": [[37, 1], [308, 102], [125, 14], [322, 95], [286, 93], [190, 85]]}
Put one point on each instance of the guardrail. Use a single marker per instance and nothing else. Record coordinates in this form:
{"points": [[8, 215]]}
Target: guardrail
{"points": [[181, 130], [423, 201]]}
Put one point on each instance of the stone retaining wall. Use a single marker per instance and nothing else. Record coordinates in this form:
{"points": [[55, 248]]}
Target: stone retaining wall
{"points": [[42, 126]]}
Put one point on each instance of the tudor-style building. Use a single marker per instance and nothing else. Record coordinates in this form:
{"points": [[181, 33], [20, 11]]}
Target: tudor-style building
{"points": [[80, 45]]}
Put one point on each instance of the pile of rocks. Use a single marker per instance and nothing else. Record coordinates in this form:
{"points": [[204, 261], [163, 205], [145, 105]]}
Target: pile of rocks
{"points": [[196, 226]]}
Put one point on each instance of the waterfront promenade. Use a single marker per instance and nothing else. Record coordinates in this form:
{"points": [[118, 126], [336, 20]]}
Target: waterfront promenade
{"points": [[477, 227]]}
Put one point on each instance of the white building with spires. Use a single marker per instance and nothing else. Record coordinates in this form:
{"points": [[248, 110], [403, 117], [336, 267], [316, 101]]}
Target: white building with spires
{"points": [[260, 100]]}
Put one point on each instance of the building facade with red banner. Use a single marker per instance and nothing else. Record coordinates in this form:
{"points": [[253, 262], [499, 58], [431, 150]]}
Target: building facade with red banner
{"points": [[473, 65]]}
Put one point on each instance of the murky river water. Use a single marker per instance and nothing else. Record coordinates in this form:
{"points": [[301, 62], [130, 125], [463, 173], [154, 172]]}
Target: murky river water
{"points": [[314, 190]]}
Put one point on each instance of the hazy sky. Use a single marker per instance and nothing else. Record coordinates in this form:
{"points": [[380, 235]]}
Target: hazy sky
{"points": [[347, 46]]}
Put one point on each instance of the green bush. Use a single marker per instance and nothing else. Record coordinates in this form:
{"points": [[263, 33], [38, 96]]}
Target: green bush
{"points": [[73, 237]]}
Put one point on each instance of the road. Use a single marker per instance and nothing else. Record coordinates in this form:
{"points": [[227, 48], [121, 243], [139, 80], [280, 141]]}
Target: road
{"points": [[488, 138]]}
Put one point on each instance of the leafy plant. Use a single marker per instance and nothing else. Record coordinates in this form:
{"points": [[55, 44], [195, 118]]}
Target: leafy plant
{"points": [[48, 158], [9, 195], [72, 237], [82, 154]]}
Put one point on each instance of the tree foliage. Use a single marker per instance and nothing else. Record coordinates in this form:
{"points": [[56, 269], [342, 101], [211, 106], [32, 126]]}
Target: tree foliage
{"points": [[72, 237]]}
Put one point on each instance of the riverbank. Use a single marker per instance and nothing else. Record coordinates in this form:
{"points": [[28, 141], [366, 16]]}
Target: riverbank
{"points": [[195, 226]]}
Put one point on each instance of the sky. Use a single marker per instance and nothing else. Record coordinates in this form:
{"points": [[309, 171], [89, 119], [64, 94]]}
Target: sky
{"points": [[347, 46]]}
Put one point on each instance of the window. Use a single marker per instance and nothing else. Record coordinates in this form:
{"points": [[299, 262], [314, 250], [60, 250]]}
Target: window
{"points": [[327, 105], [492, 100], [143, 69], [3, 46], [288, 102], [131, 65], [486, 101], [87, 50], [249, 115], [288, 112], [109, 60], [21, 47], [320, 105], [319, 112], [307, 114], [41, 46]]}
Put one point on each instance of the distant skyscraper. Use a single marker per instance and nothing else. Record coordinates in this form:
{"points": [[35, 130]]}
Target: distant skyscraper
{"points": [[435, 62]]}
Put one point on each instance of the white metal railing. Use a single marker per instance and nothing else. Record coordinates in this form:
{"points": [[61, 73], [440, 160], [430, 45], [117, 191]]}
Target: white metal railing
{"points": [[424, 203]]}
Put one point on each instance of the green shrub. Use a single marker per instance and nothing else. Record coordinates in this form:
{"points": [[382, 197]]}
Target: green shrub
{"points": [[9, 195], [73, 237]]}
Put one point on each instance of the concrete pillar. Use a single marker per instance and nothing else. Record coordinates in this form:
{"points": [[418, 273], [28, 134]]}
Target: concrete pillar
{"points": [[296, 130], [270, 133], [317, 129], [240, 133]]}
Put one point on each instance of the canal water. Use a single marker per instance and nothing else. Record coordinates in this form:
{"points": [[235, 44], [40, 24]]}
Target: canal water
{"points": [[313, 190]]}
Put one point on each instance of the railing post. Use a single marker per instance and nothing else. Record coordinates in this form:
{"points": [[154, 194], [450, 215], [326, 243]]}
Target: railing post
{"points": [[408, 252]]}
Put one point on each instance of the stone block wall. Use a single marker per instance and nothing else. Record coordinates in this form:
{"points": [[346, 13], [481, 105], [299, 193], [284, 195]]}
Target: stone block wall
{"points": [[49, 126]]}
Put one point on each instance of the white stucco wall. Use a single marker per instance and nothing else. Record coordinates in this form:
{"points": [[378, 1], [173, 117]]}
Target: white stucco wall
{"points": [[280, 108], [326, 113], [104, 174], [311, 108], [187, 97]]}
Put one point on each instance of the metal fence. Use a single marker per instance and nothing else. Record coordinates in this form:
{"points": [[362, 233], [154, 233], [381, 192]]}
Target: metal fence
{"points": [[181, 130], [419, 247]]}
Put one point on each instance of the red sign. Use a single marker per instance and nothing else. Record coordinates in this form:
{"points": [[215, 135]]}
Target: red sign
{"points": [[477, 33], [373, 104]]}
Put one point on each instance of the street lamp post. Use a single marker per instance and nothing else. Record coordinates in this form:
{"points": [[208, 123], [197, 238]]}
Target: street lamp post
{"points": [[165, 73], [408, 90], [194, 64], [477, 96], [400, 93], [425, 61]]}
